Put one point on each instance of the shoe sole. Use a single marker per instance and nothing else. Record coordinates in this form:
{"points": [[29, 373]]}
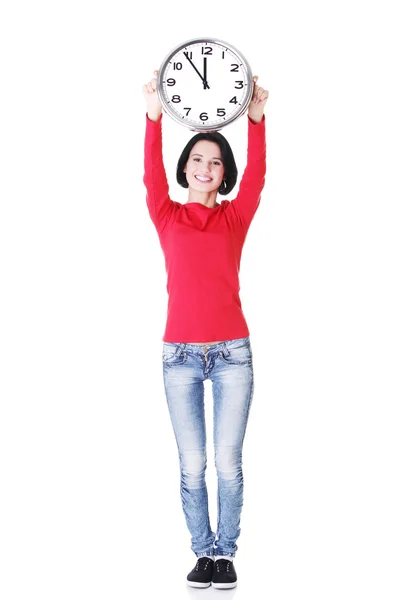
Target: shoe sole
{"points": [[224, 586], [198, 584]]}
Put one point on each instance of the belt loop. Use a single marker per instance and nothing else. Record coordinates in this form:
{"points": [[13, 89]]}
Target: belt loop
{"points": [[225, 350], [181, 348]]}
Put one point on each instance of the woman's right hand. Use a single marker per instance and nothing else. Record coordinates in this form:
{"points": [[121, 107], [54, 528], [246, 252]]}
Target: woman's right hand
{"points": [[154, 108]]}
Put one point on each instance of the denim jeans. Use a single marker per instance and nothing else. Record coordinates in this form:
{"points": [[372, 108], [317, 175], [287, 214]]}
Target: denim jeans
{"points": [[229, 367]]}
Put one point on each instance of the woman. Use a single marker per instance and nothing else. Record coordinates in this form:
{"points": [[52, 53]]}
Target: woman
{"points": [[206, 335]]}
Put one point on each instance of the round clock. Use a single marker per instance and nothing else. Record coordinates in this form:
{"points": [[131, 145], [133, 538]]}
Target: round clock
{"points": [[205, 84]]}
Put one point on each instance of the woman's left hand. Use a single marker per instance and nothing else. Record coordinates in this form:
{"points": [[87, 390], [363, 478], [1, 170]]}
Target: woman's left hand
{"points": [[258, 101]]}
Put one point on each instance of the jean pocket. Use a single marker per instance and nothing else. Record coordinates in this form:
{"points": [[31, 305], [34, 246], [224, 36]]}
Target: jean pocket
{"points": [[173, 358], [237, 356], [169, 350]]}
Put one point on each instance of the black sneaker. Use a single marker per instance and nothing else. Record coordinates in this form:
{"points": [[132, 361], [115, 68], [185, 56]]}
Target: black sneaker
{"points": [[200, 576], [224, 575]]}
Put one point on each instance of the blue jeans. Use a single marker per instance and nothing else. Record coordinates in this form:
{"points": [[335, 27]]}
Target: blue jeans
{"points": [[229, 366]]}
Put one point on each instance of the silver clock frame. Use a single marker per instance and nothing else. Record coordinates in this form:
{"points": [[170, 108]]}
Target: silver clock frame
{"points": [[247, 98]]}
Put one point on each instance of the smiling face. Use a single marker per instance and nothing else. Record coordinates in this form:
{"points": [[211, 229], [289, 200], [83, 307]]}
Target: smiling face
{"points": [[204, 169]]}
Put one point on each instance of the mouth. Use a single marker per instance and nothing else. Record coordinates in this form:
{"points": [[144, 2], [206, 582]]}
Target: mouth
{"points": [[202, 179]]}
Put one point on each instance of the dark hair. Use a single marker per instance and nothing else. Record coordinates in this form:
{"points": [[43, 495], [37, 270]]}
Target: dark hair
{"points": [[228, 160]]}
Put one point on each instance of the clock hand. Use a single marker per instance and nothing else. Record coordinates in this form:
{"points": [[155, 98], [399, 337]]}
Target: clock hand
{"points": [[197, 71], [205, 73]]}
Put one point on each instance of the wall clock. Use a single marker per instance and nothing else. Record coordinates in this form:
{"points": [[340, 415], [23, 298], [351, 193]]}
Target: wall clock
{"points": [[205, 84]]}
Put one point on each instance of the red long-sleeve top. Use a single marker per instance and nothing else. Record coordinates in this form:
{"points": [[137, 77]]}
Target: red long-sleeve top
{"points": [[202, 246]]}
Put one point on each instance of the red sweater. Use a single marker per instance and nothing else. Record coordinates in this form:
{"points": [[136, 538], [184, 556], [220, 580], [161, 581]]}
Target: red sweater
{"points": [[202, 246]]}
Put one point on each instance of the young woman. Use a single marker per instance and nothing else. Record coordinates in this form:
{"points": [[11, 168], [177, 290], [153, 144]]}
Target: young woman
{"points": [[206, 335]]}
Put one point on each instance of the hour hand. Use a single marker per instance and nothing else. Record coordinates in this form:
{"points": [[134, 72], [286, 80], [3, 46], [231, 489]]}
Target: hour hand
{"points": [[205, 84]]}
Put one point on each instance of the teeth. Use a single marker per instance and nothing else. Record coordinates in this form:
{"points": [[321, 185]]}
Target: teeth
{"points": [[202, 178]]}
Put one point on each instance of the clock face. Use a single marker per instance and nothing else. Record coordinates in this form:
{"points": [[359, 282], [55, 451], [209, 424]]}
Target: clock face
{"points": [[205, 84]]}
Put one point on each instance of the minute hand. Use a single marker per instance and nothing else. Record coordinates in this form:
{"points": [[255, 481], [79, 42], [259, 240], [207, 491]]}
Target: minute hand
{"points": [[197, 71]]}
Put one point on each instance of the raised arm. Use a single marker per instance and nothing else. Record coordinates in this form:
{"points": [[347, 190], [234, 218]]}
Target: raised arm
{"points": [[252, 182], [158, 201]]}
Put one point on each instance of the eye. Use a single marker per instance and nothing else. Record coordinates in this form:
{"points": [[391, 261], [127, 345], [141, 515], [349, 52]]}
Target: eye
{"points": [[218, 164], [196, 159]]}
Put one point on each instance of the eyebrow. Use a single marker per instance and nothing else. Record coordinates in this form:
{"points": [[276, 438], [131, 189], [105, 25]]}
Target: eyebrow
{"points": [[214, 157]]}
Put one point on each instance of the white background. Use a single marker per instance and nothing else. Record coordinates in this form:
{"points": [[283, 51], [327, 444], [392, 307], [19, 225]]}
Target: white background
{"points": [[90, 504]]}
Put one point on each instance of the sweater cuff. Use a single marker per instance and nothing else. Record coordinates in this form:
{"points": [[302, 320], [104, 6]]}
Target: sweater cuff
{"points": [[149, 121], [256, 124]]}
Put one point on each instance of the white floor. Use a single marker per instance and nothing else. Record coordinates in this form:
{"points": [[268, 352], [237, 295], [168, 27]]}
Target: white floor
{"points": [[103, 520]]}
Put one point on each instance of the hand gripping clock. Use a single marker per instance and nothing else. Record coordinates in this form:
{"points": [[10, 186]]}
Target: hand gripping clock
{"points": [[205, 84]]}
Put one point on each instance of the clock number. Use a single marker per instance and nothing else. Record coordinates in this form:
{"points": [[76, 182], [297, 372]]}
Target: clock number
{"points": [[176, 98], [171, 81], [235, 68], [223, 54], [207, 50], [233, 100], [203, 116], [188, 110], [221, 112], [177, 66], [239, 86]]}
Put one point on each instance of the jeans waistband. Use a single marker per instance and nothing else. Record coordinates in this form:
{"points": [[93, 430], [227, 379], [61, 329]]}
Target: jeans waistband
{"points": [[226, 345]]}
